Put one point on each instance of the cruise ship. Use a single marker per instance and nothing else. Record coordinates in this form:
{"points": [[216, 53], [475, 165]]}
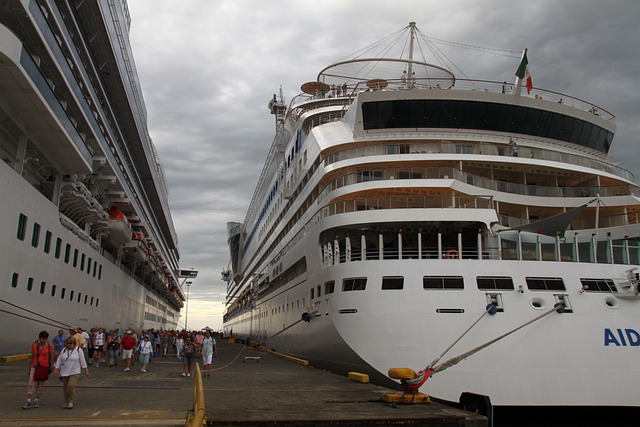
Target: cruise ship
{"points": [[475, 233], [87, 235]]}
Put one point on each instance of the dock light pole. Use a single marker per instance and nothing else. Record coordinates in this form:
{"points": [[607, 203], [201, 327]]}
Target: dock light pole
{"points": [[186, 314]]}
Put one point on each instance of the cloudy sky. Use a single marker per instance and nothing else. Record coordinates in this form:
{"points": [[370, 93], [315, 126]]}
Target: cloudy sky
{"points": [[209, 67]]}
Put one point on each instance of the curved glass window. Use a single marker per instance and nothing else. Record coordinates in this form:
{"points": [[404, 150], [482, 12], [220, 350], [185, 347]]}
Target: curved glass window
{"points": [[455, 114]]}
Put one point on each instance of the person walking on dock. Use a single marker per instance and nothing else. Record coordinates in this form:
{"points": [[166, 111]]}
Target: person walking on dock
{"points": [[128, 344], [179, 345], [164, 342], [98, 346], [209, 351], [58, 344], [146, 348], [113, 344], [69, 365], [188, 354], [39, 368]]}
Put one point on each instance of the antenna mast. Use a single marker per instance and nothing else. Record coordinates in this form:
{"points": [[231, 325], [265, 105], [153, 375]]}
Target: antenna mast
{"points": [[412, 35]]}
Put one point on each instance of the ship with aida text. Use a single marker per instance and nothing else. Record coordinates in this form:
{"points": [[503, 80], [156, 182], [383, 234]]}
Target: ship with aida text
{"points": [[476, 235], [87, 235]]}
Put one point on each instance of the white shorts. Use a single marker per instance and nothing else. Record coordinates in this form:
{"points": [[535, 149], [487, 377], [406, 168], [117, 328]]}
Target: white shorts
{"points": [[206, 359], [126, 354]]}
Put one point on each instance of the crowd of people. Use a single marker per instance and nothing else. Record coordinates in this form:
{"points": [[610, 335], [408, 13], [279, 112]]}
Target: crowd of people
{"points": [[68, 355]]}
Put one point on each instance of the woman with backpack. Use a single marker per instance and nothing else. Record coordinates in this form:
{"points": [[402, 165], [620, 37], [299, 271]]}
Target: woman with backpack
{"points": [[40, 366]]}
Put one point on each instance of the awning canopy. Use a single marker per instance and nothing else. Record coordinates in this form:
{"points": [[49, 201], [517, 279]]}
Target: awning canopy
{"points": [[552, 226]]}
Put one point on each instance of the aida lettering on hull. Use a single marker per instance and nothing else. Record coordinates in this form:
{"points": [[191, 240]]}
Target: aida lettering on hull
{"points": [[621, 337]]}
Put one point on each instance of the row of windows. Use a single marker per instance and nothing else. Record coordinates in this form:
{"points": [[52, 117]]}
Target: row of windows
{"points": [[79, 260], [485, 283], [71, 295], [456, 114]]}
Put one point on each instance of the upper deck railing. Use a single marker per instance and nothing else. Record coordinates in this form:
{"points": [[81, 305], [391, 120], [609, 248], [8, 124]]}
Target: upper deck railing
{"points": [[344, 96]]}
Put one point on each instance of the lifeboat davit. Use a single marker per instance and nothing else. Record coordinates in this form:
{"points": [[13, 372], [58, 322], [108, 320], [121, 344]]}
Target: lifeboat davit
{"points": [[119, 229]]}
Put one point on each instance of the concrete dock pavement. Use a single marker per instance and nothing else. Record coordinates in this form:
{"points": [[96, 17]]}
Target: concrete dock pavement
{"points": [[240, 392]]}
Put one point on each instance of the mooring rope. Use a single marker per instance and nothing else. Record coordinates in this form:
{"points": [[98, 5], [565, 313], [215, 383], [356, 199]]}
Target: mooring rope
{"points": [[558, 307], [491, 308], [56, 323], [288, 327], [244, 347]]}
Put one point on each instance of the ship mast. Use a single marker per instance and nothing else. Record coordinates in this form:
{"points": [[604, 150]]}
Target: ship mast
{"points": [[412, 34]]}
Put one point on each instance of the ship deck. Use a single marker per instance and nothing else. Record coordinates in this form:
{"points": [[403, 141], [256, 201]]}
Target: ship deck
{"points": [[270, 392]]}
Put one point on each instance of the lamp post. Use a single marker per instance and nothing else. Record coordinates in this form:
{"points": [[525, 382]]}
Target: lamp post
{"points": [[186, 314]]}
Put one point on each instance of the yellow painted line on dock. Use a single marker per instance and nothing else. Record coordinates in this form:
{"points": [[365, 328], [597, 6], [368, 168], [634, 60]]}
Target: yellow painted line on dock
{"points": [[14, 358], [289, 358]]}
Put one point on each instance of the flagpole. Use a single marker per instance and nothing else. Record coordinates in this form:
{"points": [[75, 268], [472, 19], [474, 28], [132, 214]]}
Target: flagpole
{"points": [[518, 81]]}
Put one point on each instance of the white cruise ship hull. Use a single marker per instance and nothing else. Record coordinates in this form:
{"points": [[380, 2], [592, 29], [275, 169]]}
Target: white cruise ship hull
{"points": [[61, 295], [578, 358]]}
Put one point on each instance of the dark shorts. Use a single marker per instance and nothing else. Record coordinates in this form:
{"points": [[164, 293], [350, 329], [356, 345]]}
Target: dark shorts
{"points": [[99, 348]]}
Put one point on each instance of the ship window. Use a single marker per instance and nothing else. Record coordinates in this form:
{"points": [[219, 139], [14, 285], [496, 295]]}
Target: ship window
{"points": [[392, 282], [75, 257], [71, 295], [82, 258], [58, 247], [53, 290], [47, 242], [545, 283], [100, 272], [89, 266], [442, 282], [495, 283], [67, 253], [64, 291], [354, 284], [409, 174], [364, 176], [319, 290], [598, 285], [312, 293], [91, 301], [22, 227], [95, 266], [329, 287], [398, 149], [43, 287], [35, 237], [459, 114], [14, 280], [30, 284], [79, 296], [464, 149]]}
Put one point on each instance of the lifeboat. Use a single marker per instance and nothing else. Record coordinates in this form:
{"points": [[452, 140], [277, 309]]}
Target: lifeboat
{"points": [[119, 229], [137, 248]]}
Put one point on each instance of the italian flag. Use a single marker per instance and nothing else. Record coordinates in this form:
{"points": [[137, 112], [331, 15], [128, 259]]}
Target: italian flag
{"points": [[523, 72]]}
